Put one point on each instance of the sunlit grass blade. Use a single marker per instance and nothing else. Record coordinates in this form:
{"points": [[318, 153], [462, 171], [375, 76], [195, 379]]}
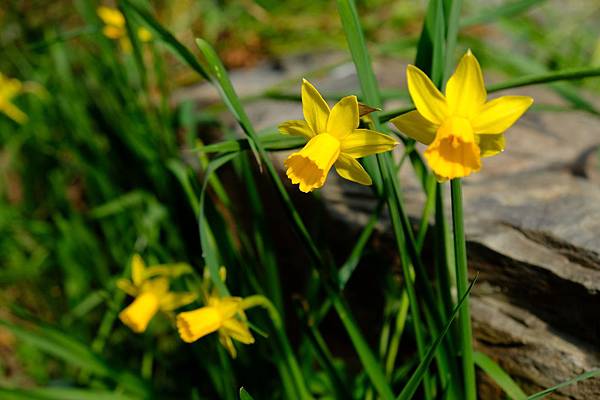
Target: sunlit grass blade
{"points": [[270, 142], [409, 390], [499, 376], [546, 77], [78, 354], [218, 75], [462, 280], [58, 393], [168, 39], [431, 47], [244, 395], [587, 375], [207, 240], [452, 27]]}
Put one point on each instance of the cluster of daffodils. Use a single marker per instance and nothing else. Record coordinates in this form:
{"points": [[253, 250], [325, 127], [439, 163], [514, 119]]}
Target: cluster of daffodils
{"points": [[114, 27], [150, 287], [459, 128]]}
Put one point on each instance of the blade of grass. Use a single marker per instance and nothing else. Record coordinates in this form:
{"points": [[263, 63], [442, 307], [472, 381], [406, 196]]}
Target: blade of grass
{"points": [[167, 38], [499, 376], [578, 378], [244, 395], [220, 80], [413, 383], [57, 393], [275, 141], [462, 280]]}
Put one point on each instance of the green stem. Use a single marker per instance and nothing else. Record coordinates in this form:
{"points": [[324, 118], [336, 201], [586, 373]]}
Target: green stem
{"points": [[462, 281]]}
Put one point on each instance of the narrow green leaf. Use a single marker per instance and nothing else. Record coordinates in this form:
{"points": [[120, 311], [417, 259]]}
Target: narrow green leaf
{"points": [[499, 376], [462, 280], [207, 240], [221, 81], [169, 40], [578, 378], [58, 393], [244, 395], [271, 142], [413, 383]]}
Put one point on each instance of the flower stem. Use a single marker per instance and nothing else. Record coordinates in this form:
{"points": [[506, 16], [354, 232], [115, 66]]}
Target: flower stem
{"points": [[462, 280]]}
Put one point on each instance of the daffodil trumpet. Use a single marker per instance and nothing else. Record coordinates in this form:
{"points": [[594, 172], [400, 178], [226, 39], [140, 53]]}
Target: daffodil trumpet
{"points": [[334, 140], [460, 127], [150, 288], [221, 314]]}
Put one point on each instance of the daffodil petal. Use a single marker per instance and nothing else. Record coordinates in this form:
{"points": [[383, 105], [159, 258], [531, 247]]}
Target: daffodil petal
{"points": [[465, 90], [490, 145], [348, 168], [111, 16], [296, 128], [128, 287], [193, 325], [427, 98], [498, 115], [228, 344], [14, 113], [415, 126], [238, 330], [364, 142], [138, 270], [314, 108], [139, 313], [344, 117]]}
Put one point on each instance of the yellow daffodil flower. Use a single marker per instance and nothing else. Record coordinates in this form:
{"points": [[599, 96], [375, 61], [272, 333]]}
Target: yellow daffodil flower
{"points": [[459, 127], [333, 140], [150, 287], [9, 88], [224, 315], [114, 27]]}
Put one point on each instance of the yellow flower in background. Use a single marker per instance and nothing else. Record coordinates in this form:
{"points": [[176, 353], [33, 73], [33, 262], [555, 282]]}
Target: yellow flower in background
{"points": [[333, 140], [114, 27], [9, 89], [150, 287], [224, 315], [461, 127]]}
